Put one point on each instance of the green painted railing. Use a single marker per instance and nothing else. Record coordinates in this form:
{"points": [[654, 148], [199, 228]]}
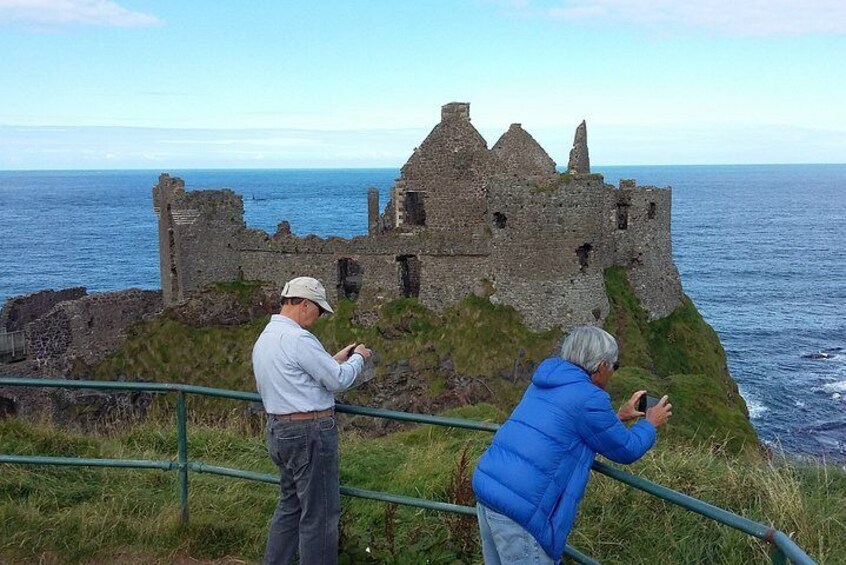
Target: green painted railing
{"points": [[782, 547]]}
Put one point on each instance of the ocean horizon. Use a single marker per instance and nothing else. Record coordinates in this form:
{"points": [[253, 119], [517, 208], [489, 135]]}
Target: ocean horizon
{"points": [[760, 250]]}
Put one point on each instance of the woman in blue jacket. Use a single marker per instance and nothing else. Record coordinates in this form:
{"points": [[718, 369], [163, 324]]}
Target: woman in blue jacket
{"points": [[530, 481]]}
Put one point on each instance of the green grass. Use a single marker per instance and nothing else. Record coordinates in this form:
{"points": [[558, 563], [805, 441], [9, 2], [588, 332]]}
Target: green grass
{"points": [[81, 515], [708, 450]]}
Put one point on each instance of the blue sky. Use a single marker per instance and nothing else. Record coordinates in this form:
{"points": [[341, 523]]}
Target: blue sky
{"points": [[182, 84]]}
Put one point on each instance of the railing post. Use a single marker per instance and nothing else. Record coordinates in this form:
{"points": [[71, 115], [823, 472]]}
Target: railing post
{"points": [[182, 439], [777, 556]]}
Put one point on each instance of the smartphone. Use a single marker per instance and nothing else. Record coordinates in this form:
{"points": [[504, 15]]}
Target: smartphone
{"points": [[351, 351], [646, 402]]}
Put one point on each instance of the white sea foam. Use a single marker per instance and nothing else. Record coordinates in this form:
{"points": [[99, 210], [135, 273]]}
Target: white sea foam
{"points": [[756, 408], [835, 387]]}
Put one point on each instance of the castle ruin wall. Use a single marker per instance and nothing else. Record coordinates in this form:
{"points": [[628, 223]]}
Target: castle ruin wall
{"points": [[645, 247], [549, 250], [88, 328], [461, 219], [199, 235]]}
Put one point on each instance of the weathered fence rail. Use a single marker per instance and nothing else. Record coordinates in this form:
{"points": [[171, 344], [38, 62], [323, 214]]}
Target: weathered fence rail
{"points": [[782, 548]]}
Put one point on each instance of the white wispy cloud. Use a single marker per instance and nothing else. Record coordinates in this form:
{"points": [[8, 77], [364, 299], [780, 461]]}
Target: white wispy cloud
{"points": [[72, 12], [731, 17]]}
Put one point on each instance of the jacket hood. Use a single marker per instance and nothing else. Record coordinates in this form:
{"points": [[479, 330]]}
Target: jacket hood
{"points": [[555, 372]]}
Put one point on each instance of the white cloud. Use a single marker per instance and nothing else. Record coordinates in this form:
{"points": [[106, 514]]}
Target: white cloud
{"points": [[72, 12], [731, 17]]}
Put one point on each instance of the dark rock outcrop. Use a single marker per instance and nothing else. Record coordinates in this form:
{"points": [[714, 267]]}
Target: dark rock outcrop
{"points": [[21, 310]]}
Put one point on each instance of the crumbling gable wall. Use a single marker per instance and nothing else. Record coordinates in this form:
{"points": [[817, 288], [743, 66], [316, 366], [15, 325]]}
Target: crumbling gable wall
{"points": [[522, 156], [199, 236], [449, 169]]}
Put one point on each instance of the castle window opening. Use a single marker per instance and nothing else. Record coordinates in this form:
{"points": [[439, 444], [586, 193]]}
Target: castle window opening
{"points": [[349, 278], [415, 212], [500, 219], [652, 209], [622, 216], [409, 275], [171, 253], [583, 253]]}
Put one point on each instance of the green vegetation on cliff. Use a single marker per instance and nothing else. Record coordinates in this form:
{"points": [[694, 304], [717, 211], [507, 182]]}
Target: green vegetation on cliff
{"points": [[680, 356], [472, 360], [482, 348]]}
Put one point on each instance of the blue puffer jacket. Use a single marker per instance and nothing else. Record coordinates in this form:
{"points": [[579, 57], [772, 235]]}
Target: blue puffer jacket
{"points": [[536, 470]]}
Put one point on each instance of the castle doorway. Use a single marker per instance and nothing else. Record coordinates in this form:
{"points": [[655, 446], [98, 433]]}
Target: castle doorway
{"points": [[409, 275], [349, 278]]}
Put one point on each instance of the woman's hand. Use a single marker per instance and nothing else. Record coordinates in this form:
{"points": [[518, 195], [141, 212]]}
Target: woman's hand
{"points": [[628, 411]]}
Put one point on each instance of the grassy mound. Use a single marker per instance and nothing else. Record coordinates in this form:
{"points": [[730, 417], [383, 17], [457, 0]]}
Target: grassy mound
{"points": [[473, 340]]}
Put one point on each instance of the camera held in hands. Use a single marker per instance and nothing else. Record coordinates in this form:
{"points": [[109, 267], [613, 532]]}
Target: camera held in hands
{"points": [[645, 402]]}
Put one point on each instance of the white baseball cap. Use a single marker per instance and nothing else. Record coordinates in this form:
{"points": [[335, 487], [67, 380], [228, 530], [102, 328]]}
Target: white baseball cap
{"points": [[308, 288]]}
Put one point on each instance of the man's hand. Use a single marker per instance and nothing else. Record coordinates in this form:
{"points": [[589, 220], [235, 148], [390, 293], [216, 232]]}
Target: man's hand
{"points": [[344, 354], [628, 411], [363, 351], [660, 413]]}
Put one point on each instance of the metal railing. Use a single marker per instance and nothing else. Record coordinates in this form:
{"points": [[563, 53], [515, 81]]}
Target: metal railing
{"points": [[12, 345], [782, 547]]}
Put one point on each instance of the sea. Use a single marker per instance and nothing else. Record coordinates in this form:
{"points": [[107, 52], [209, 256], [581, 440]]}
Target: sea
{"points": [[761, 250]]}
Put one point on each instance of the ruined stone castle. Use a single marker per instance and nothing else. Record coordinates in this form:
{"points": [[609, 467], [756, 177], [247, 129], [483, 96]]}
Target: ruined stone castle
{"points": [[461, 219]]}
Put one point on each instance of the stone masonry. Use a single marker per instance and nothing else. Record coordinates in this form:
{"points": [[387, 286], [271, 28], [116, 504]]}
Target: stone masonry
{"points": [[70, 335], [18, 311], [88, 328], [461, 219]]}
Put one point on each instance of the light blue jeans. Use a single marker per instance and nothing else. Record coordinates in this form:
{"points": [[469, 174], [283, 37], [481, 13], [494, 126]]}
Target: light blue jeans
{"points": [[504, 541]]}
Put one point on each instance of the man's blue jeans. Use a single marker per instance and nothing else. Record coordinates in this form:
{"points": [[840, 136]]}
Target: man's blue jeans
{"points": [[504, 541], [306, 517]]}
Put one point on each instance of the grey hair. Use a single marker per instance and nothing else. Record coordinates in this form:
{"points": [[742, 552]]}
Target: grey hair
{"points": [[588, 346]]}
